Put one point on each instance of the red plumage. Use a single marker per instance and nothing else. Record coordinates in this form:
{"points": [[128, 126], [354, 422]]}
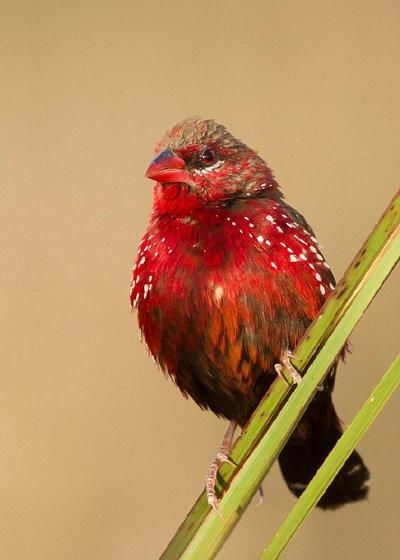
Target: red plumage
{"points": [[227, 278]]}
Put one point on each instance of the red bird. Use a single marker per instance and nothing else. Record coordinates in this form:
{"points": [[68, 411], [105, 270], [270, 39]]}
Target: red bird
{"points": [[228, 277]]}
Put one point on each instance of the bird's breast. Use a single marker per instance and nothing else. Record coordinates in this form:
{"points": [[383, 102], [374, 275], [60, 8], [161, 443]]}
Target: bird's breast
{"points": [[182, 263], [189, 267], [219, 299]]}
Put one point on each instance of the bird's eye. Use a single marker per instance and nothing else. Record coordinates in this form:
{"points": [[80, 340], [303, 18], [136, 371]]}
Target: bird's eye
{"points": [[208, 156]]}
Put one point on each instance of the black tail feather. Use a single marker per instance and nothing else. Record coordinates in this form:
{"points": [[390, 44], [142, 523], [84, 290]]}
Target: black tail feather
{"points": [[306, 450]]}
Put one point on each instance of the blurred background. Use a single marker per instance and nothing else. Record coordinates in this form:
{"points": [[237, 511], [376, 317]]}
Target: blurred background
{"points": [[91, 434]]}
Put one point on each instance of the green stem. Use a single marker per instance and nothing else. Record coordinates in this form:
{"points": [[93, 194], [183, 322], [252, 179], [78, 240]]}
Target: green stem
{"points": [[362, 421], [215, 530], [314, 339]]}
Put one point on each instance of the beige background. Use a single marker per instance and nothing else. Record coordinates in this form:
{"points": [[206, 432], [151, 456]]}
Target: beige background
{"points": [[100, 456]]}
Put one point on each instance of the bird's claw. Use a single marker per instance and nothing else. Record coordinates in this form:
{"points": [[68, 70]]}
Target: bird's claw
{"points": [[213, 501], [220, 458], [211, 477], [289, 354], [223, 458], [286, 363]]}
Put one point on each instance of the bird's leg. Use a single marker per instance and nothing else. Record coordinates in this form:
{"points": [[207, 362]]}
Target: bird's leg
{"points": [[221, 457], [286, 363], [294, 374]]}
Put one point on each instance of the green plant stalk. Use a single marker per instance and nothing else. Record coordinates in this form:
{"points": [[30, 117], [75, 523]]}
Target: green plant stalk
{"points": [[250, 435], [215, 530], [355, 431], [314, 338]]}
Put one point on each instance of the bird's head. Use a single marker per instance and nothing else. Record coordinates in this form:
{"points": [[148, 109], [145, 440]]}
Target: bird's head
{"points": [[199, 163]]}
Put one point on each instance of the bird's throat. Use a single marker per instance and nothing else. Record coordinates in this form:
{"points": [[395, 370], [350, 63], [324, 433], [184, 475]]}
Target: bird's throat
{"points": [[176, 199]]}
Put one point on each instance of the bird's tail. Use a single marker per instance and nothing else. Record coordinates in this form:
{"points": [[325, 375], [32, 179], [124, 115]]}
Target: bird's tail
{"points": [[315, 436]]}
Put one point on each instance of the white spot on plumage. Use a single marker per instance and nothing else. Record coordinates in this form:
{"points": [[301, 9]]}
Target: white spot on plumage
{"points": [[273, 265], [326, 265], [283, 244], [260, 238], [297, 485], [300, 239], [354, 469], [332, 287], [142, 261], [289, 250], [247, 218], [293, 258], [218, 292], [268, 242], [270, 219], [233, 223], [319, 257], [318, 277], [313, 249], [322, 289], [278, 228], [303, 257]]}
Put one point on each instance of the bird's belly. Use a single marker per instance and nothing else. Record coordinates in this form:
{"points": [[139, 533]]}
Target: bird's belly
{"points": [[215, 341]]}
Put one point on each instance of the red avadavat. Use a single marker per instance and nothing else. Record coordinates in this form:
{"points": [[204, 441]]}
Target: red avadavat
{"points": [[228, 277]]}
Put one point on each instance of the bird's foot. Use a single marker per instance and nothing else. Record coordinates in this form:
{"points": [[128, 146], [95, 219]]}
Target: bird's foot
{"points": [[286, 363], [220, 458]]}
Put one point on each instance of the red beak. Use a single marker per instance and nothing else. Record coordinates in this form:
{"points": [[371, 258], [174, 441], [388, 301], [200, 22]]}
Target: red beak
{"points": [[167, 167]]}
